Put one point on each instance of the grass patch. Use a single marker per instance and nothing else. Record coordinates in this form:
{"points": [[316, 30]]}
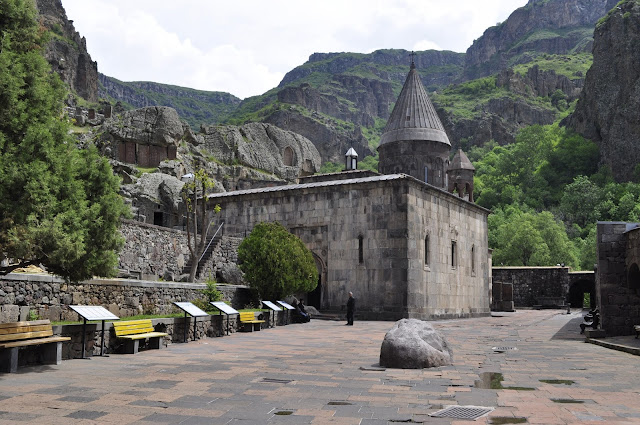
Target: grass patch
{"points": [[503, 420]]}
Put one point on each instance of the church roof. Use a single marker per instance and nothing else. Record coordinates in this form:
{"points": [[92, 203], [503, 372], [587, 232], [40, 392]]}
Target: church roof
{"points": [[413, 116], [334, 183], [461, 162]]}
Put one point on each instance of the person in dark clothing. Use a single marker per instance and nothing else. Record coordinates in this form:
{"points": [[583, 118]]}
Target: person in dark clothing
{"points": [[351, 308]]}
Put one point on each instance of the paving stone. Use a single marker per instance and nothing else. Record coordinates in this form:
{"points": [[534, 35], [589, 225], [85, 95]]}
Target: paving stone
{"points": [[85, 414]]}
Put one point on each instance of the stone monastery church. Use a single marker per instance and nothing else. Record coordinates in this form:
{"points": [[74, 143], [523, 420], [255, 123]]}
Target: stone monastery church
{"points": [[408, 242]]}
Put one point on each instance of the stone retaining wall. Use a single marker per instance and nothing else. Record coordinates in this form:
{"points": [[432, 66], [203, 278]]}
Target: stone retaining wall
{"points": [[49, 296]]}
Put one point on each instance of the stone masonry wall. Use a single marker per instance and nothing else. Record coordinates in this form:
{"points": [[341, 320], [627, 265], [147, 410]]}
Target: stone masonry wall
{"points": [[50, 296], [535, 285], [155, 252], [619, 305], [439, 286], [152, 252]]}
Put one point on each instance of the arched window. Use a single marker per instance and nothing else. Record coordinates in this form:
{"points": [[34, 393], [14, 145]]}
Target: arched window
{"points": [[454, 262], [289, 157], [473, 259], [426, 250], [360, 249]]}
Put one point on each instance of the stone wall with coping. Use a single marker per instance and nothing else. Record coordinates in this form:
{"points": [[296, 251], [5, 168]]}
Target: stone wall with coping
{"points": [[50, 296], [534, 286]]}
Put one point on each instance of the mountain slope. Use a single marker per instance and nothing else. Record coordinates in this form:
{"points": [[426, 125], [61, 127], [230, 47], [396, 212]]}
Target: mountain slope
{"points": [[541, 27], [197, 107]]}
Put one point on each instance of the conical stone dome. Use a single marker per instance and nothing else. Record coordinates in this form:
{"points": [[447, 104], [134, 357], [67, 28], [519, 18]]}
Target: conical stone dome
{"points": [[413, 116], [414, 141]]}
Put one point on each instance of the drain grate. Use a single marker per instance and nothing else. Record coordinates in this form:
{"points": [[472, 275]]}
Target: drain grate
{"points": [[503, 349], [277, 381], [462, 412]]}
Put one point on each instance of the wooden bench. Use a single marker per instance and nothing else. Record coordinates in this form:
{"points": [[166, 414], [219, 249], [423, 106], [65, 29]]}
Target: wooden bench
{"points": [[135, 330], [249, 321], [15, 335]]}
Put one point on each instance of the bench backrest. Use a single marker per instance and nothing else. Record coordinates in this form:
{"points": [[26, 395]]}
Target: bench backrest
{"points": [[16, 331], [132, 327], [246, 316]]}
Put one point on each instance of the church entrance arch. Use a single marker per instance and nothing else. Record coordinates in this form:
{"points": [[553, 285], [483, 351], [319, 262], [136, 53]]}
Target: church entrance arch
{"points": [[577, 292], [314, 298]]}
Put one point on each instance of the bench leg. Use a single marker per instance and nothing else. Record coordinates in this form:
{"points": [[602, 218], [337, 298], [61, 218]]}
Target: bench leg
{"points": [[257, 326], [156, 343], [247, 327], [52, 353], [131, 346], [9, 360]]}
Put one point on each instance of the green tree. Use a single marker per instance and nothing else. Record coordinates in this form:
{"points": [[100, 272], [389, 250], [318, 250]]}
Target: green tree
{"points": [[59, 206], [525, 238], [199, 181], [276, 263]]}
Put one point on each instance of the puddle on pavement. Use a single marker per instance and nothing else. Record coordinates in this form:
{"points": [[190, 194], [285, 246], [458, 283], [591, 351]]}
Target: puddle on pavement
{"points": [[489, 381], [567, 400], [558, 381], [493, 381]]}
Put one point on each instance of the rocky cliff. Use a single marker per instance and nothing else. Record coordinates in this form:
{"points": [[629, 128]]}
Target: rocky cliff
{"points": [[607, 111], [542, 26], [195, 106], [341, 100], [67, 51]]}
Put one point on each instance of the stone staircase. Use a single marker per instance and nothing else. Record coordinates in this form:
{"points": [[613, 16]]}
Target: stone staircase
{"points": [[205, 257]]}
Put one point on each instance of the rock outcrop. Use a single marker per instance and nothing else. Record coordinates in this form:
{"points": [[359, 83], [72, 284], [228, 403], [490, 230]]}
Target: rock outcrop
{"points": [[607, 110], [543, 26], [263, 147], [67, 51], [414, 344]]}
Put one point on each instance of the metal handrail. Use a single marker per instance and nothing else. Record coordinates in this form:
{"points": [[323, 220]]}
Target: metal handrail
{"points": [[210, 242]]}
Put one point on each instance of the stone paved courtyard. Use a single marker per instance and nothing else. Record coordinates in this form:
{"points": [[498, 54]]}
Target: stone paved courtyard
{"points": [[321, 373]]}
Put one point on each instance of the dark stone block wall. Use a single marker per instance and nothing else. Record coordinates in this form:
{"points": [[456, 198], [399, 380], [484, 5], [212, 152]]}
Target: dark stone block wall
{"points": [[534, 285], [618, 249]]}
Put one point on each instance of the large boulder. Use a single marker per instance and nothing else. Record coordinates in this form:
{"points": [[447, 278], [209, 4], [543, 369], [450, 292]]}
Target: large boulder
{"points": [[153, 125], [414, 344]]}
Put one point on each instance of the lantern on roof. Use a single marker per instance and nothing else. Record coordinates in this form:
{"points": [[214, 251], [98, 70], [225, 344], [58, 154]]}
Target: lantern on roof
{"points": [[351, 158]]}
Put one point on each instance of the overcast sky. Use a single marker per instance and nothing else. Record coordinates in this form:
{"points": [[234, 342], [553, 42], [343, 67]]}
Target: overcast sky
{"points": [[245, 47]]}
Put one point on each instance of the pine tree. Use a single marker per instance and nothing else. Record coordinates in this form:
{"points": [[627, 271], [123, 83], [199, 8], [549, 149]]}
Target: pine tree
{"points": [[59, 206]]}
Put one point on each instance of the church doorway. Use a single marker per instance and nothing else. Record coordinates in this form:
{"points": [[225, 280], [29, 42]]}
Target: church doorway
{"points": [[314, 298]]}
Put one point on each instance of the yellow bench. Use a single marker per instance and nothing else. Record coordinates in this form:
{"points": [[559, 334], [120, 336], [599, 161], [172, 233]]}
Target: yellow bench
{"points": [[135, 330], [249, 321], [23, 334]]}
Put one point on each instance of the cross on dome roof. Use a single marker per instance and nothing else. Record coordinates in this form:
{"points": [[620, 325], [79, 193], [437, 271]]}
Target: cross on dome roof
{"points": [[413, 116]]}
